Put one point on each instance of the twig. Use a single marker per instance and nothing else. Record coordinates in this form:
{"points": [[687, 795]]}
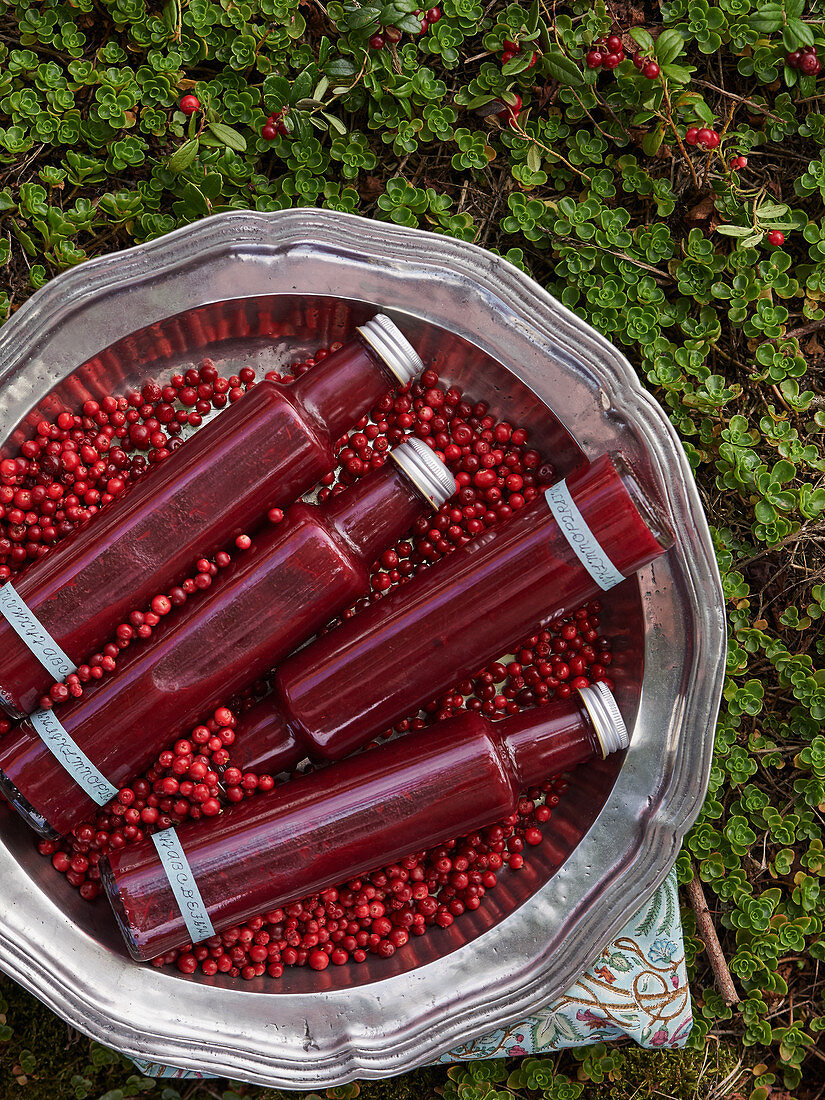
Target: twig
{"points": [[704, 922], [739, 99]]}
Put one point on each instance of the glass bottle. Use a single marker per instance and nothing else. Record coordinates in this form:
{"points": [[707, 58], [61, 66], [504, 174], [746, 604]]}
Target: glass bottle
{"points": [[454, 617], [263, 451], [350, 818], [293, 580]]}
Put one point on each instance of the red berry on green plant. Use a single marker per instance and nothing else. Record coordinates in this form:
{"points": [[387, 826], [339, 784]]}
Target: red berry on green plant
{"points": [[792, 59], [776, 237], [377, 42], [809, 64], [651, 70], [508, 45], [709, 139], [639, 61], [614, 44], [612, 61], [508, 55], [692, 135], [189, 104], [533, 60], [433, 15], [739, 162], [594, 59], [269, 133]]}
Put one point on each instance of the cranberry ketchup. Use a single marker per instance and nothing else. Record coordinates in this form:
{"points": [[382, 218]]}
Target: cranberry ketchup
{"points": [[360, 679], [266, 449], [296, 577], [342, 821]]}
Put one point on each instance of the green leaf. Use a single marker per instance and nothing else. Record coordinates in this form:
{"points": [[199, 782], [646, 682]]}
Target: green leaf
{"points": [[533, 17], [749, 242], [229, 136], [799, 33], [338, 69], [652, 141], [734, 230], [335, 123], [669, 45], [767, 19], [518, 63], [321, 88], [561, 68], [771, 210], [644, 40], [183, 157], [534, 159], [361, 18]]}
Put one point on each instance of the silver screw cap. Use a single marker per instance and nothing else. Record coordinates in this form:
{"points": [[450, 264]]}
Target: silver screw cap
{"points": [[385, 338], [607, 720], [425, 470]]}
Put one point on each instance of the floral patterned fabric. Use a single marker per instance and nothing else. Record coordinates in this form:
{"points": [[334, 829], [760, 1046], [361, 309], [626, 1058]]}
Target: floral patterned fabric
{"points": [[637, 988]]}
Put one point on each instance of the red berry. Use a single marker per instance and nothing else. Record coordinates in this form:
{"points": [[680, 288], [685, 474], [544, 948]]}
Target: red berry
{"points": [[651, 70], [614, 44], [709, 139], [776, 237], [692, 135], [508, 45], [594, 59], [533, 60], [612, 61], [377, 42], [809, 64], [433, 15], [639, 61], [793, 59], [269, 132], [508, 55], [189, 104], [739, 162]]}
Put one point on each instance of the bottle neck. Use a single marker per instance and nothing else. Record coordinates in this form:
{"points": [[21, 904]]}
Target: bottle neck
{"points": [[625, 521], [344, 386], [547, 740], [376, 511]]}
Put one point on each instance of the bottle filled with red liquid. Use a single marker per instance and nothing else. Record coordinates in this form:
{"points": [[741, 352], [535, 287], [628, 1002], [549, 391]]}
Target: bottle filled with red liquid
{"points": [[263, 451], [57, 767], [187, 884], [578, 539]]}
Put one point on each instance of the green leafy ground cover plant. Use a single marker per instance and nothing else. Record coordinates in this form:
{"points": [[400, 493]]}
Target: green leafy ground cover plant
{"points": [[675, 201]]}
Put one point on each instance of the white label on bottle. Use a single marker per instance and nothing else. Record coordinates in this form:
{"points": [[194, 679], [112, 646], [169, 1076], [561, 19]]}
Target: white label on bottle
{"points": [[583, 542], [68, 753], [34, 634], [187, 895]]}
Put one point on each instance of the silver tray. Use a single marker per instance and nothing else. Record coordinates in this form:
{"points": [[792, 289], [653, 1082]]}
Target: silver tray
{"points": [[306, 277]]}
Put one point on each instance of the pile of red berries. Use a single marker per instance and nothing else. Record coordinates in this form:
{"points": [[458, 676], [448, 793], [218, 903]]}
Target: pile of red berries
{"points": [[738, 162], [704, 137], [607, 53], [804, 60], [497, 472]]}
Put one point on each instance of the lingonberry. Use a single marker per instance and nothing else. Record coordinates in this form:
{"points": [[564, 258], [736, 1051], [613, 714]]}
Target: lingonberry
{"points": [[611, 61], [594, 59], [508, 55], [651, 70], [639, 61], [433, 15], [189, 104], [707, 138], [793, 58], [692, 135], [809, 64], [739, 162], [613, 44], [268, 132], [377, 42], [776, 237]]}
